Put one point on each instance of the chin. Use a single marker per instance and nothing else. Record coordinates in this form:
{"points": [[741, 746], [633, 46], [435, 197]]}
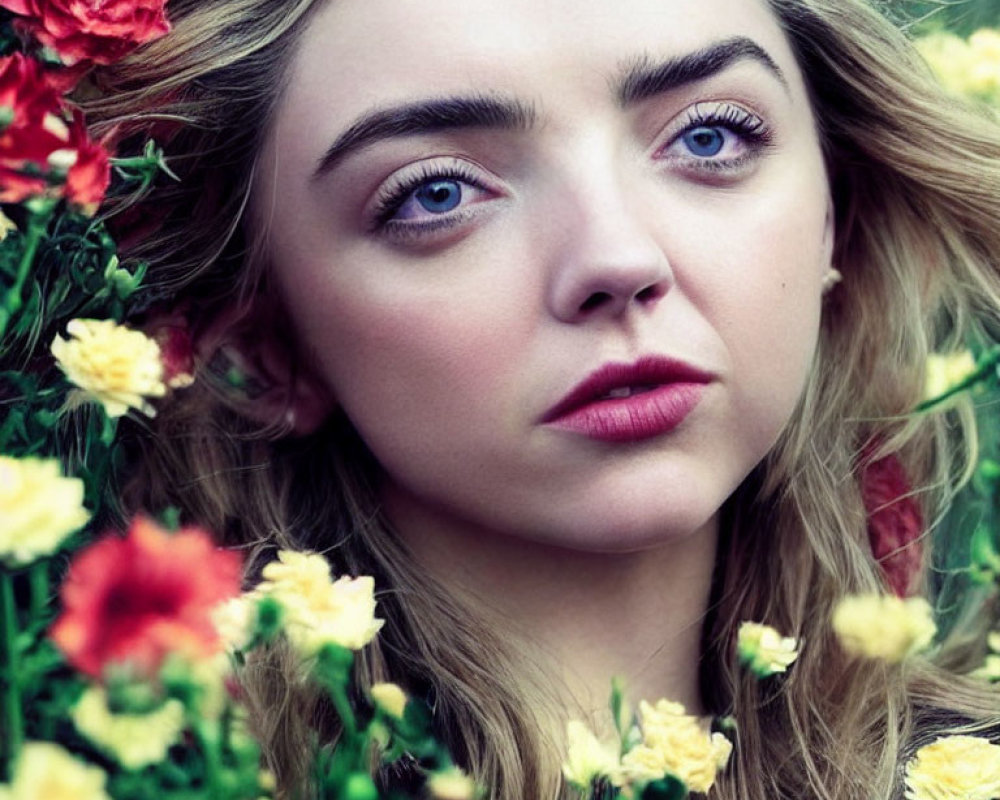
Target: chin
{"points": [[626, 526]]}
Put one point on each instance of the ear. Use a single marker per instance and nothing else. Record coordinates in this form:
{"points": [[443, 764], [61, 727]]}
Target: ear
{"points": [[250, 358]]}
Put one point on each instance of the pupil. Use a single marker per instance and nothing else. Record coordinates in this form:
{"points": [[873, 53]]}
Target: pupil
{"points": [[439, 196], [704, 141]]}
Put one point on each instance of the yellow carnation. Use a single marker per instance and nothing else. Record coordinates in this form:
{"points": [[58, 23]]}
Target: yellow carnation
{"points": [[134, 740], [6, 226], [39, 508], [675, 743], [452, 784], [45, 771], [990, 670], [235, 619], [954, 768], [390, 698], [117, 367], [320, 611], [764, 650], [588, 758], [882, 626], [945, 371]]}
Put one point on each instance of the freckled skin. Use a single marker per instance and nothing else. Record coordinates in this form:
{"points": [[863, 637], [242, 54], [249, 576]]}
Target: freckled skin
{"points": [[446, 349]]}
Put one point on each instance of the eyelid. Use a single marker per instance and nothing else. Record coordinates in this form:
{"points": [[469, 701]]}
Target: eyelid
{"points": [[752, 132], [399, 185], [697, 113]]}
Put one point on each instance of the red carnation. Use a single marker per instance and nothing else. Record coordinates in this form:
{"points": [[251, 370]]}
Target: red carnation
{"points": [[44, 146], [89, 177], [137, 599], [176, 350], [99, 31], [895, 523], [26, 95]]}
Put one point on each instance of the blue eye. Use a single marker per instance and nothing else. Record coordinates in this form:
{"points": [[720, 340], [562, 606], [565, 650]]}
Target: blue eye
{"points": [[718, 141], [433, 194], [440, 196], [704, 142]]}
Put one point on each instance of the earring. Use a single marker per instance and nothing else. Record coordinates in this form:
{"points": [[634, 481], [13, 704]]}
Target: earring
{"points": [[831, 279]]}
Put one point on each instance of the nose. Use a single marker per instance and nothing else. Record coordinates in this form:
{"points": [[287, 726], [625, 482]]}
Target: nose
{"points": [[607, 261]]}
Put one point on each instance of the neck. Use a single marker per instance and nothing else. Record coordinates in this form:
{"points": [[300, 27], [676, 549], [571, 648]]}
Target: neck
{"points": [[590, 615]]}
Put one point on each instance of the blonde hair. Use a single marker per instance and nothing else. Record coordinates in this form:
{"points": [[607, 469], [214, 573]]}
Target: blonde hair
{"points": [[916, 184]]}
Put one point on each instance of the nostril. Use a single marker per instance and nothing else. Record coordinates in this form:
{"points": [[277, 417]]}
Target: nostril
{"points": [[596, 300], [650, 293]]}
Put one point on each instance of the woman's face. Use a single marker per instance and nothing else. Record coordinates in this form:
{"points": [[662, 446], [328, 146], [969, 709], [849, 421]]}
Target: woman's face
{"points": [[559, 261]]}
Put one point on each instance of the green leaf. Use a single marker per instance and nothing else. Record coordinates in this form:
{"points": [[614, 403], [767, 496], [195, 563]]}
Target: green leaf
{"points": [[668, 787]]}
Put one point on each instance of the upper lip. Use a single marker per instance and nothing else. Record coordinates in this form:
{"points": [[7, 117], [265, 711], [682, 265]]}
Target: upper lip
{"points": [[647, 371]]}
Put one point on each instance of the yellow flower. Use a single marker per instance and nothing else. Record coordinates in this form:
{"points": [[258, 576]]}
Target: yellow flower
{"points": [[319, 611], [882, 626], [134, 740], [452, 784], [678, 744], [6, 226], [588, 758], [235, 619], [45, 771], [947, 370], [990, 670], [390, 698], [955, 768], [39, 508], [764, 650], [117, 367]]}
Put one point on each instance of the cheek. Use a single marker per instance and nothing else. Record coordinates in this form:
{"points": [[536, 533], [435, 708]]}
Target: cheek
{"points": [[410, 355], [764, 300]]}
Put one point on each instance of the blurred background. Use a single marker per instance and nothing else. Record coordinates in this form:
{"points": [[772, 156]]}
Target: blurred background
{"points": [[961, 41], [961, 16]]}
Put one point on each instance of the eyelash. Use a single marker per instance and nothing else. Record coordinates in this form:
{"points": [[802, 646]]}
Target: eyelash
{"points": [[751, 128]]}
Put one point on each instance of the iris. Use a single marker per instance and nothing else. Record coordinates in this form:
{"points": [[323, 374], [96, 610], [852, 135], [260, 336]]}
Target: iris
{"points": [[704, 141], [439, 197]]}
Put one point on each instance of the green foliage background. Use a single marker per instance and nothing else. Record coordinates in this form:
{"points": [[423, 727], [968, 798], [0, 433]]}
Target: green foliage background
{"points": [[961, 16]]}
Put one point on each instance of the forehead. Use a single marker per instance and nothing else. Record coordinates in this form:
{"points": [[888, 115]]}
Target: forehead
{"points": [[357, 55]]}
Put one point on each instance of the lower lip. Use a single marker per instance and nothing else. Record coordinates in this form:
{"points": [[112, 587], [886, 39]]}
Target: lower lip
{"points": [[635, 418]]}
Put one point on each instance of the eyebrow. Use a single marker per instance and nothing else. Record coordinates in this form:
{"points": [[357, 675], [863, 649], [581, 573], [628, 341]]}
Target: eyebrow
{"points": [[449, 113], [638, 81], [645, 78]]}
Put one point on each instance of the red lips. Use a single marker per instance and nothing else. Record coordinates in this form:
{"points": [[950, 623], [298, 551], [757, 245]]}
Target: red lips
{"points": [[630, 402]]}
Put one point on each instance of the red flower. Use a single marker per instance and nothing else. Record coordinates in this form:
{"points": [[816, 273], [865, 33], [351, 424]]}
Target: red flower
{"points": [[895, 523], [89, 177], [137, 599], [26, 95], [176, 350], [44, 147], [99, 31]]}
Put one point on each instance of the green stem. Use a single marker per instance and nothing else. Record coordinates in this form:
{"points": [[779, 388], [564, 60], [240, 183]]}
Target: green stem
{"points": [[10, 696], [344, 710], [12, 300], [38, 578], [210, 748], [986, 366]]}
